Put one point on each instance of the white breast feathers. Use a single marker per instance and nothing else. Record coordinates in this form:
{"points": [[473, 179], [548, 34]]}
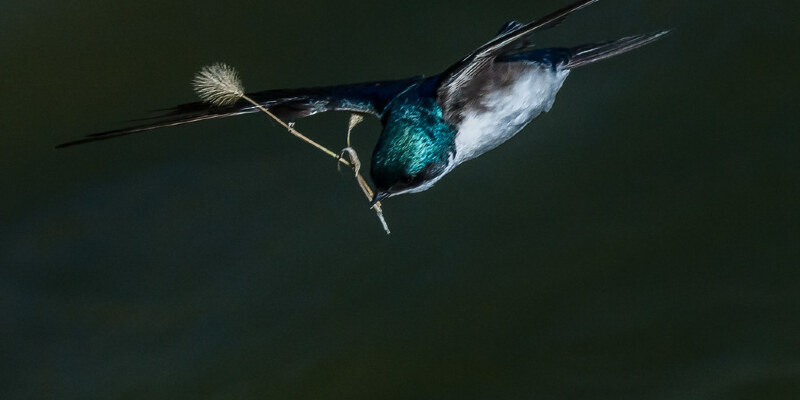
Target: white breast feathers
{"points": [[505, 109]]}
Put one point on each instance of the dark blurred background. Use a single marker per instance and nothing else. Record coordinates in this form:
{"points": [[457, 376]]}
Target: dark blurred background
{"points": [[640, 241]]}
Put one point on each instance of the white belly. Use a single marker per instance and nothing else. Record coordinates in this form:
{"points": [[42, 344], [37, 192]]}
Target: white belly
{"points": [[505, 112]]}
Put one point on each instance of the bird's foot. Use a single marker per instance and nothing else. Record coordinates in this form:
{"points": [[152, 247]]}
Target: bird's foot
{"points": [[353, 157]]}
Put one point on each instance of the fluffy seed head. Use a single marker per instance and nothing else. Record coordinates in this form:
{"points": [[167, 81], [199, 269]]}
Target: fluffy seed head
{"points": [[218, 84]]}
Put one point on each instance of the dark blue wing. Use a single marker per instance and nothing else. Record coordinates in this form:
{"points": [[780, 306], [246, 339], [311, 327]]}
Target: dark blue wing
{"points": [[288, 104]]}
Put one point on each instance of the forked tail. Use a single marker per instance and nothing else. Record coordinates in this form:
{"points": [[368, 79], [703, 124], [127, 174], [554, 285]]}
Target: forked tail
{"points": [[590, 53]]}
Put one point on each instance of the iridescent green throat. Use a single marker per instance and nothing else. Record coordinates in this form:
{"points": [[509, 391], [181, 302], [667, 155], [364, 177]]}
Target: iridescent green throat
{"points": [[416, 142]]}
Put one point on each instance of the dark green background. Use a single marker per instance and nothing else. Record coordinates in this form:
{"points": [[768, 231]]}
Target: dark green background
{"points": [[640, 241]]}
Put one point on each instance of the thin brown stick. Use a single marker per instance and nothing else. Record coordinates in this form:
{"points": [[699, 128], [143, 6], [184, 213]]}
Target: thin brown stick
{"points": [[296, 133], [353, 163], [362, 183]]}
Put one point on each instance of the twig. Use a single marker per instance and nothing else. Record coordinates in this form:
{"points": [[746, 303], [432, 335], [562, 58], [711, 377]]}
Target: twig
{"points": [[295, 132], [362, 183], [354, 162], [219, 84]]}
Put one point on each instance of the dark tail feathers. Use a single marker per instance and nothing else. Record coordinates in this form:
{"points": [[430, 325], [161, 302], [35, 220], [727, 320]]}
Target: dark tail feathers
{"points": [[589, 53]]}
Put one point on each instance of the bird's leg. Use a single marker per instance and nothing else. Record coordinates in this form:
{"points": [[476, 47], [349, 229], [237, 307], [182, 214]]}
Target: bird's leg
{"points": [[355, 119]]}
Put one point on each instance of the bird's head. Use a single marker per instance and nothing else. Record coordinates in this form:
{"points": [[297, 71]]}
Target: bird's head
{"points": [[415, 149]]}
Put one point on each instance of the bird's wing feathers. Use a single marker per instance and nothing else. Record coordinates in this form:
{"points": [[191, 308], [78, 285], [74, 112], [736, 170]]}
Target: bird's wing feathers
{"points": [[459, 76], [591, 53], [288, 104], [509, 27]]}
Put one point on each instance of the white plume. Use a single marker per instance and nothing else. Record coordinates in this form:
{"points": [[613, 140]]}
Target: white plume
{"points": [[218, 84]]}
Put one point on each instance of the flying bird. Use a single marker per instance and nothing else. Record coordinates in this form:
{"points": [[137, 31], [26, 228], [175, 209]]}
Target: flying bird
{"points": [[432, 124]]}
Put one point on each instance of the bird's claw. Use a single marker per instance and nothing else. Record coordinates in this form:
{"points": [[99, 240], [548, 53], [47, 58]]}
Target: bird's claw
{"points": [[353, 156]]}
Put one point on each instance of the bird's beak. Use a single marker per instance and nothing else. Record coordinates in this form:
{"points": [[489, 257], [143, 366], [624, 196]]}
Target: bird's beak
{"points": [[378, 197]]}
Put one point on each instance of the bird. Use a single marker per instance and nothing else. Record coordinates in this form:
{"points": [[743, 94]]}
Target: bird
{"points": [[432, 124]]}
